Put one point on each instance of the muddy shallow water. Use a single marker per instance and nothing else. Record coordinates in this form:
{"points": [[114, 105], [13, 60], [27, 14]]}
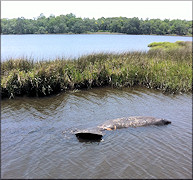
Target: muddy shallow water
{"points": [[36, 138]]}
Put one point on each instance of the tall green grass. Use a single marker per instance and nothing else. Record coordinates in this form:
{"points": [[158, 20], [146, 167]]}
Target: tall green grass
{"points": [[167, 70], [171, 46]]}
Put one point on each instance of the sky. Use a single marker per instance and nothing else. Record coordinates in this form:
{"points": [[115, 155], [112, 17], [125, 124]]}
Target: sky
{"points": [[97, 9]]}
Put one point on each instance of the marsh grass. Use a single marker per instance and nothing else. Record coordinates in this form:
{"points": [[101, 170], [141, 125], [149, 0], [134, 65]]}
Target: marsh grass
{"points": [[166, 69], [171, 46]]}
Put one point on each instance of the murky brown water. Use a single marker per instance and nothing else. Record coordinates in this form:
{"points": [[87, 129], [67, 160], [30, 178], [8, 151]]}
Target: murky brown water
{"points": [[33, 145]]}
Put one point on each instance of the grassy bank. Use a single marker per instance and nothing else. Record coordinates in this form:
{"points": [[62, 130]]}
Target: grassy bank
{"points": [[165, 68]]}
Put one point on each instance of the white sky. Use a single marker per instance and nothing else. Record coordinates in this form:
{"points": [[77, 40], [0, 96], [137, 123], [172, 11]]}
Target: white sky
{"points": [[97, 9]]}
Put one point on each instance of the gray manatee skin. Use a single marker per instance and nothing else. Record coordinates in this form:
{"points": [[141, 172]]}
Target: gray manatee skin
{"points": [[135, 121], [125, 122]]}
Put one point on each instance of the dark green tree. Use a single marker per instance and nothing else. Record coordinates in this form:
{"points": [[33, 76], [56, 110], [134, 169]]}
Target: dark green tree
{"points": [[69, 23]]}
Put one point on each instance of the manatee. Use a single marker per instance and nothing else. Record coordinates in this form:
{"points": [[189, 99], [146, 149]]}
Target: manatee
{"points": [[97, 133], [90, 134]]}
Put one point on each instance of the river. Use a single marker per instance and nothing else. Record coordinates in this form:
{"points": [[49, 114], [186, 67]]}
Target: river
{"points": [[36, 138], [49, 47]]}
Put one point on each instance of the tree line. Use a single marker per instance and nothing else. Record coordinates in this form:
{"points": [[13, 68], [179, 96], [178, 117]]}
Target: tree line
{"points": [[71, 24]]}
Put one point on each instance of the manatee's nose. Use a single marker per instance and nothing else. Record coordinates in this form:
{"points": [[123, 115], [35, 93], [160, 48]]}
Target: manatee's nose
{"points": [[165, 122]]}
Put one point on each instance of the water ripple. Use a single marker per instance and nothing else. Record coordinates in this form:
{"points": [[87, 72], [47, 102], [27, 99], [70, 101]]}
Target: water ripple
{"points": [[37, 139]]}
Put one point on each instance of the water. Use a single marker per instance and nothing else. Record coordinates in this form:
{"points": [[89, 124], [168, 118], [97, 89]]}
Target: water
{"points": [[33, 144], [73, 46]]}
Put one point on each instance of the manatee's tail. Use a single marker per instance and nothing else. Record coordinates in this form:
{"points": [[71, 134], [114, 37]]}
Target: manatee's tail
{"points": [[88, 136]]}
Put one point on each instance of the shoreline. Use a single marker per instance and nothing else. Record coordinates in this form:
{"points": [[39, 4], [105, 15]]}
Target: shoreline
{"points": [[166, 67], [105, 33]]}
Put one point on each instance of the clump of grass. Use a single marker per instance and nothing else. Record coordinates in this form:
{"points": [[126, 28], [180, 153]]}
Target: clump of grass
{"points": [[171, 46], [167, 70]]}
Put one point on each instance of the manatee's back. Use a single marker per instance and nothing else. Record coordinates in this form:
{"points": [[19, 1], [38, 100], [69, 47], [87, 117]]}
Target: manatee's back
{"points": [[96, 133], [134, 121]]}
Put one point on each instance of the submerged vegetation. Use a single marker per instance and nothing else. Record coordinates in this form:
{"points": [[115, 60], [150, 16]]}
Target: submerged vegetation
{"points": [[167, 68], [69, 23]]}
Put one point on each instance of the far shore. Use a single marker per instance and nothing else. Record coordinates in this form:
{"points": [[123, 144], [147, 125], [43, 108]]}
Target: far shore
{"points": [[105, 33]]}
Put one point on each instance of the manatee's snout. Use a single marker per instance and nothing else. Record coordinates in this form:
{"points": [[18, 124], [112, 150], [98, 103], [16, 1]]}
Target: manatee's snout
{"points": [[166, 122], [163, 122]]}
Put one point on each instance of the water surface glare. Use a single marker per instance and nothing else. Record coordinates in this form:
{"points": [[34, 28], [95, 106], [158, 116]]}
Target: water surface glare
{"points": [[36, 138]]}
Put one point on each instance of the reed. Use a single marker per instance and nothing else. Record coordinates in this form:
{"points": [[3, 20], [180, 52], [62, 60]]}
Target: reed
{"points": [[165, 69]]}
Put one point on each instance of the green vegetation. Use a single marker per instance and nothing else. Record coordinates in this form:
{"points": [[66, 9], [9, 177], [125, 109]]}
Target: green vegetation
{"points": [[71, 24], [171, 46], [169, 71]]}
